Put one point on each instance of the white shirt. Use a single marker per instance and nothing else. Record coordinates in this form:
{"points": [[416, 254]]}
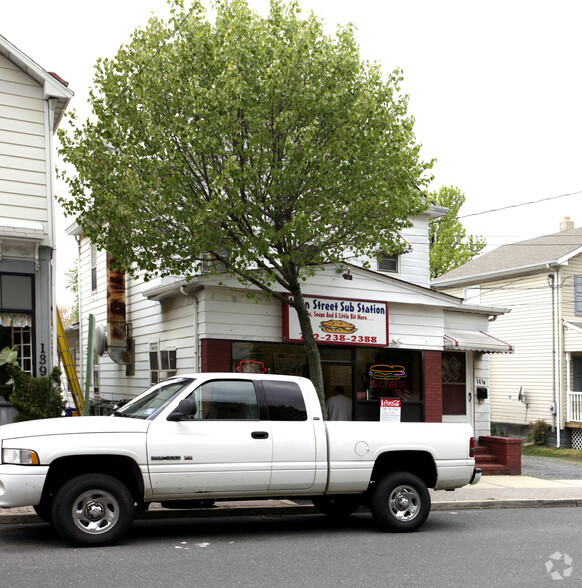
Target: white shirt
{"points": [[339, 408]]}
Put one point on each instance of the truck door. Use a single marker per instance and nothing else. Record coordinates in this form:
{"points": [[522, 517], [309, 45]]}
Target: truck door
{"points": [[295, 455], [223, 447]]}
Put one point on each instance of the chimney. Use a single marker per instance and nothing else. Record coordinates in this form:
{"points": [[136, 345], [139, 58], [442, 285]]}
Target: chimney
{"points": [[566, 224]]}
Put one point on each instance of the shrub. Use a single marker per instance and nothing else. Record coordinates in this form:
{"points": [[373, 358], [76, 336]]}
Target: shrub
{"points": [[36, 398], [539, 432], [8, 357]]}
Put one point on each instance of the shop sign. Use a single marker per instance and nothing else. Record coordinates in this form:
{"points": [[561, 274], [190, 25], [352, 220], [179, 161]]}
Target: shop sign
{"points": [[340, 321], [390, 409]]}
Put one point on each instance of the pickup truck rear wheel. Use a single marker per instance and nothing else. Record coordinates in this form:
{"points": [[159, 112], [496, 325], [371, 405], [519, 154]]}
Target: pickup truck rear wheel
{"points": [[400, 502], [93, 509], [337, 506]]}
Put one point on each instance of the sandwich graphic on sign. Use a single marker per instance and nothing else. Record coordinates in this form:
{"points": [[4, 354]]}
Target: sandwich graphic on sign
{"points": [[337, 326]]}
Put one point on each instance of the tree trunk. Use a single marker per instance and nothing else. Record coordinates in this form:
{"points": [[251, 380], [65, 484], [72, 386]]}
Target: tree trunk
{"points": [[311, 349]]}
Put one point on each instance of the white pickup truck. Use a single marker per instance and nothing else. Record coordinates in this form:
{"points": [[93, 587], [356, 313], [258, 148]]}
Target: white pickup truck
{"points": [[203, 437]]}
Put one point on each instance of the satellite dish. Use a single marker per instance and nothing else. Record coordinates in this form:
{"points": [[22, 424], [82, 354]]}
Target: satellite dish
{"points": [[99, 340]]}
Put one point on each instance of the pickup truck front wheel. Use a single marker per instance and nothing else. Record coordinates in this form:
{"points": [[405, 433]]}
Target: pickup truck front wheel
{"points": [[92, 510], [400, 502]]}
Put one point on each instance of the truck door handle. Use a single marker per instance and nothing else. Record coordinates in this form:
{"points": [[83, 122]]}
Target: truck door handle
{"points": [[259, 434]]}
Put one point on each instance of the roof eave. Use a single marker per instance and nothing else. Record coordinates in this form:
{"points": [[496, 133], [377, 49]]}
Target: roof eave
{"points": [[52, 87], [487, 276]]}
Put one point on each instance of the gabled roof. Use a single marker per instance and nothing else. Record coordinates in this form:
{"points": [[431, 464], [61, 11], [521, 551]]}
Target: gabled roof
{"points": [[386, 288], [517, 258], [53, 85]]}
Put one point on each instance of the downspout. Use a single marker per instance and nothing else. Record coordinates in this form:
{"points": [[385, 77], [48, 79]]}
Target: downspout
{"points": [[568, 385], [557, 378], [80, 300], [52, 103], [197, 367]]}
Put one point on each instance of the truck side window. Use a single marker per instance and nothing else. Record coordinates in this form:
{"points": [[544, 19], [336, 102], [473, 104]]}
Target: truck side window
{"points": [[227, 400], [285, 401]]}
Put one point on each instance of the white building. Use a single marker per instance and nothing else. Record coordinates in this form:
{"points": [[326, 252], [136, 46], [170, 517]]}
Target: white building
{"points": [[540, 280], [32, 102], [427, 349]]}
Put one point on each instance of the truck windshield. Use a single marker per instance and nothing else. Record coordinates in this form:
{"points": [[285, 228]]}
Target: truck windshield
{"points": [[152, 400]]}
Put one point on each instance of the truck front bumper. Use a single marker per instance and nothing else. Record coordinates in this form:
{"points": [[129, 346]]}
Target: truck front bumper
{"points": [[477, 472], [21, 485]]}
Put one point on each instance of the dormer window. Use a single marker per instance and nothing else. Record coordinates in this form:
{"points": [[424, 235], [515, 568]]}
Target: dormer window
{"points": [[388, 262]]}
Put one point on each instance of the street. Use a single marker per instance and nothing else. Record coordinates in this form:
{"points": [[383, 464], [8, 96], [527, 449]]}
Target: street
{"points": [[509, 547]]}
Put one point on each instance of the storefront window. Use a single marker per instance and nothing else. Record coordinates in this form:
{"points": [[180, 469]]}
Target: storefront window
{"points": [[388, 373], [16, 316], [276, 358], [15, 292], [366, 374]]}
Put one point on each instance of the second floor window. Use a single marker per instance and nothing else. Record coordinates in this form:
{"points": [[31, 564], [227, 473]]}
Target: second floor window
{"points": [[388, 262]]}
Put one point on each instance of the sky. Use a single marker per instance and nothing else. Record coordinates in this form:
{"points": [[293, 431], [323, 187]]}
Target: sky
{"points": [[495, 89]]}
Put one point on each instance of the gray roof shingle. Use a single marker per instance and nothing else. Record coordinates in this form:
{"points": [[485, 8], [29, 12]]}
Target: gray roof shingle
{"points": [[517, 256]]}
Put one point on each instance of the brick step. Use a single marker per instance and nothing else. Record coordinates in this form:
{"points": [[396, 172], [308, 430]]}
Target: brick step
{"points": [[485, 458], [481, 450], [494, 469]]}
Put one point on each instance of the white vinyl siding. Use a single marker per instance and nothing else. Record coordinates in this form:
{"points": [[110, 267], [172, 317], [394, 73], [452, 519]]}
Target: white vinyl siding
{"points": [[23, 177], [528, 328]]}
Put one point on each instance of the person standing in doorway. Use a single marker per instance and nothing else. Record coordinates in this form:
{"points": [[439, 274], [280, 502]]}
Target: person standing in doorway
{"points": [[339, 406]]}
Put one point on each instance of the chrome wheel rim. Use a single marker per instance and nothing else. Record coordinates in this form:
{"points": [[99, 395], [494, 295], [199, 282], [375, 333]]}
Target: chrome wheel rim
{"points": [[95, 512], [404, 503]]}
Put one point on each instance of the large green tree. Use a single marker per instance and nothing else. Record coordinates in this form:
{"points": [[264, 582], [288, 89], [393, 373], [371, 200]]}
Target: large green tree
{"points": [[450, 246], [260, 142]]}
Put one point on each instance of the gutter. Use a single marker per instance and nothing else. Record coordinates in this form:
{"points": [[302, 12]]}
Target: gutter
{"points": [[494, 274]]}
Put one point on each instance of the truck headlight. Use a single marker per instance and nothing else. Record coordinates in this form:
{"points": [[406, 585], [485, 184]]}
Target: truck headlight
{"points": [[20, 456]]}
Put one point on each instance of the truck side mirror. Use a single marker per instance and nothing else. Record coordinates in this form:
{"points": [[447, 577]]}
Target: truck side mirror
{"points": [[186, 408]]}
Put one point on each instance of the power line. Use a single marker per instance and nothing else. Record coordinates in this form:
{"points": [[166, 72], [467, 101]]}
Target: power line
{"points": [[522, 204]]}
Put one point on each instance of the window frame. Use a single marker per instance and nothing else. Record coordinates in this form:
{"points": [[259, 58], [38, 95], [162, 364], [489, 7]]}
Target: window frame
{"points": [[393, 258]]}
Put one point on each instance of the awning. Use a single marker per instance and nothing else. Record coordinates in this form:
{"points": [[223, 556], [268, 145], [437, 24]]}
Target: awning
{"points": [[466, 340]]}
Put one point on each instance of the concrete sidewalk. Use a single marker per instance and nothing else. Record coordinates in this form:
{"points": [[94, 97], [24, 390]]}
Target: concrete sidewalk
{"points": [[511, 492], [490, 492]]}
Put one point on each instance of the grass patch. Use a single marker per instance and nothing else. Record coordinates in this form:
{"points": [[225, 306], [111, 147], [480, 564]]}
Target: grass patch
{"points": [[572, 455]]}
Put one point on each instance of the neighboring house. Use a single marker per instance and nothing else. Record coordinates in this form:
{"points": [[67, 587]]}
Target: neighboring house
{"points": [[32, 102], [540, 280], [397, 344]]}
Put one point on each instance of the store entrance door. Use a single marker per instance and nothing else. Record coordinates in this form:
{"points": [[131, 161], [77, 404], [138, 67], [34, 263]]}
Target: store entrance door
{"points": [[457, 393], [338, 375]]}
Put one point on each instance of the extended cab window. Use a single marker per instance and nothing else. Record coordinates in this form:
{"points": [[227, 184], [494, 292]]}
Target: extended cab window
{"points": [[285, 401], [226, 399]]}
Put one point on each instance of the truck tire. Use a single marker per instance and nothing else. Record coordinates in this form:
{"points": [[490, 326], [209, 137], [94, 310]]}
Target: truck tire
{"points": [[339, 506], [44, 511], [400, 502], [92, 510]]}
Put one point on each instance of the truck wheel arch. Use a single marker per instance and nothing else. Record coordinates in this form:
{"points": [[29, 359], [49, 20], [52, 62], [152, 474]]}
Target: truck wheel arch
{"points": [[419, 463], [120, 467]]}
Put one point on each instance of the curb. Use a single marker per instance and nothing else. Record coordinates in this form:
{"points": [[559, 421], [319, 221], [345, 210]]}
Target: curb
{"points": [[296, 509]]}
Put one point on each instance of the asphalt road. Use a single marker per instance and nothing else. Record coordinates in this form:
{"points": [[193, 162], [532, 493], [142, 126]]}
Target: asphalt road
{"points": [[477, 548]]}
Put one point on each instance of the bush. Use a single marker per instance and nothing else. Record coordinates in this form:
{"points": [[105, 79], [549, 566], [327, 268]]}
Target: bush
{"points": [[539, 432], [36, 398]]}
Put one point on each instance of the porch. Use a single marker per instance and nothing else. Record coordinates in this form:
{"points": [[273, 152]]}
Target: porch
{"points": [[574, 409]]}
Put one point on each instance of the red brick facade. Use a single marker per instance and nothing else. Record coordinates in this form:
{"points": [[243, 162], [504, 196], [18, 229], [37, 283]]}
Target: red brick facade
{"points": [[433, 387], [215, 355]]}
